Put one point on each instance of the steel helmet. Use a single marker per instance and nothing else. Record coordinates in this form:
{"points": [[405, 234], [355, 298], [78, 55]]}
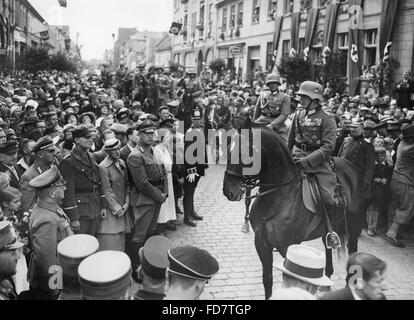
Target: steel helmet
{"points": [[273, 77], [311, 89]]}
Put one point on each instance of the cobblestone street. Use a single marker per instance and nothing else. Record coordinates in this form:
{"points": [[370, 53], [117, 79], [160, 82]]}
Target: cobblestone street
{"points": [[240, 268]]}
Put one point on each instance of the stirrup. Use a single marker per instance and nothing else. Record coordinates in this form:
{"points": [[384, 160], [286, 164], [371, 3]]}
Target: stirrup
{"points": [[245, 228], [332, 240]]}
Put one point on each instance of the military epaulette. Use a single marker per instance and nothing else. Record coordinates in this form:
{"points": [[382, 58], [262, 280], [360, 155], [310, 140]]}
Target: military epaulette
{"points": [[67, 156]]}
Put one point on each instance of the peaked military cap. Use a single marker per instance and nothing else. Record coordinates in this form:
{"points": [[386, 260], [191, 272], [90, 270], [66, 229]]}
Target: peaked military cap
{"points": [[167, 123], [43, 144], [81, 132], [173, 104], [119, 128], [192, 262], [369, 124], [408, 131], [9, 147], [147, 126], [154, 256], [48, 179]]}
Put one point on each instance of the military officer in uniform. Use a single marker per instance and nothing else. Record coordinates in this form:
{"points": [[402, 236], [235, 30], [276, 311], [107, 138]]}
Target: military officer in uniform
{"points": [[192, 84], [312, 139], [164, 85], [48, 226], [84, 200], [361, 154], [273, 108], [45, 156], [194, 170], [149, 189], [139, 83]]}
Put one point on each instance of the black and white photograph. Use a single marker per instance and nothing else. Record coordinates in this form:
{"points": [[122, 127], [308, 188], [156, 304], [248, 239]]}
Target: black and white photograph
{"points": [[219, 151]]}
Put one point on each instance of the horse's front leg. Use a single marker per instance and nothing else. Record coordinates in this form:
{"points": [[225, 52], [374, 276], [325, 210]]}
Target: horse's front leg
{"points": [[247, 202], [266, 257]]}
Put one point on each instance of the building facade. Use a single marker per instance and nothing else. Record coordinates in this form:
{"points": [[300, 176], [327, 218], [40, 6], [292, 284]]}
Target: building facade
{"points": [[242, 32], [162, 51], [195, 45], [7, 9]]}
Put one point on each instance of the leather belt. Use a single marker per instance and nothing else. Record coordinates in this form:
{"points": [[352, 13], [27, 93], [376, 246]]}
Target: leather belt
{"points": [[88, 190], [305, 147]]}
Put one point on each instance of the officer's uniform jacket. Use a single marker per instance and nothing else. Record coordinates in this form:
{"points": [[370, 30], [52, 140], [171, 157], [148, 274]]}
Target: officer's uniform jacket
{"points": [[313, 136], [29, 196], [362, 154], [165, 87], [199, 165], [48, 226], [149, 178], [84, 198], [271, 106], [193, 87], [139, 82]]}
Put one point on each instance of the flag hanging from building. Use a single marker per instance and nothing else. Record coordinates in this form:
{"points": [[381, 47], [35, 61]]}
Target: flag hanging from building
{"points": [[176, 28], [387, 51], [388, 14], [329, 26], [276, 37], [44, 35], [309, 31], [294, 30], [355, 44], [63, 3]]}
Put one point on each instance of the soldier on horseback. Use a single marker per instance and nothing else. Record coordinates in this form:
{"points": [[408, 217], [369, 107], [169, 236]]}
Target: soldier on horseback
{"points": [[273, 108], [139, 83], [311, 140]]}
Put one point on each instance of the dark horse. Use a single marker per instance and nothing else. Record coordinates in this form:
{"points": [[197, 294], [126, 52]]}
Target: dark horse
{"points": [[279, 217]]}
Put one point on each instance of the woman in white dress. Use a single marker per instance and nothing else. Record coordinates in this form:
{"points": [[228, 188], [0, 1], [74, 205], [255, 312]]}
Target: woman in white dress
{"points": [[168, 214]]}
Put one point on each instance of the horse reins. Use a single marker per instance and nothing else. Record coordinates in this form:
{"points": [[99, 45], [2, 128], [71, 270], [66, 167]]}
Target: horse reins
{"points": [[252, 182]]}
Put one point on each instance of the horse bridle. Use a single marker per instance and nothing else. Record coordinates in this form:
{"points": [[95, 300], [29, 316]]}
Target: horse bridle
{"points": [[250, 182]]}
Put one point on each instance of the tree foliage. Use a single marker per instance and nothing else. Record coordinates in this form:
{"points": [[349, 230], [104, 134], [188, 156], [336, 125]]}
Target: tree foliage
{"points": [[295, 69], [217, 66], [334, 72], [39, 59]]}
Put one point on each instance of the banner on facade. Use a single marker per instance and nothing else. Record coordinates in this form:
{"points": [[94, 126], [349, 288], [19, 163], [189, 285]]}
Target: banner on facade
{"points": [[309, 31], [355, 44], [330, 24], [176, 28], [388, 14], [63, 3], [294, 31], [276, 37], [44, 35]]}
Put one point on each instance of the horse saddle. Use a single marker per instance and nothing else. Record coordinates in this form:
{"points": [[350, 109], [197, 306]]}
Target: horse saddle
{"points": [[310, 199]]}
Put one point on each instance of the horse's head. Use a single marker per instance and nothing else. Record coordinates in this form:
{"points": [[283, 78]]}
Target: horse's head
{"points": [[242, 159], [256, 157]]}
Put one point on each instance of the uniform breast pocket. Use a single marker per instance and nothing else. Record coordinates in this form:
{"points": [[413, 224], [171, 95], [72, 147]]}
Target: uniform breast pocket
{"points": [[83, 203], [63, 230]]}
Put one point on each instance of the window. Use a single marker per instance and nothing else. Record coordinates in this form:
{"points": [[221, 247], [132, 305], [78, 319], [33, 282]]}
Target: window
{"points": [[240, 14], [256, 11], [343, 40], [269, 55], [210, 13], [285, 46], [318, 39], [370, 56], [272, 9], [224, 21], [185, 28], [317, 54], [288, 6], [233, 16], [193, 21], [371, 37]]}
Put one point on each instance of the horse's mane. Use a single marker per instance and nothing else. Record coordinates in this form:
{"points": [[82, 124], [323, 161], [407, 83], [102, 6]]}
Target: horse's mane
{"points": [[278, 139]]}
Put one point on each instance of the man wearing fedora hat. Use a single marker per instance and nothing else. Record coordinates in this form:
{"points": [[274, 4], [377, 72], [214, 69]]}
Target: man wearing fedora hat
{"points": [[8, 260], [402, 186], [304, 269], [273, 111]]}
